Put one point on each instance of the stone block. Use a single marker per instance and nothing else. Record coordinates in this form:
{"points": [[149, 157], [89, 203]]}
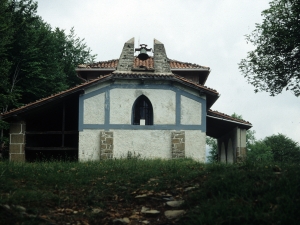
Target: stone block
{"points": [[243, 151], [181, 136], [17, 138], [109, 141], [17, 157], [109, 134], [14, 148], [103, 156], [175, 140], [180, 146], [15, 128], [107, 151], [22, 148]]}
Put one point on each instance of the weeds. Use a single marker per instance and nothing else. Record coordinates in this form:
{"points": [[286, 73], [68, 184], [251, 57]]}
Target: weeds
{"points": [[224, 194]]}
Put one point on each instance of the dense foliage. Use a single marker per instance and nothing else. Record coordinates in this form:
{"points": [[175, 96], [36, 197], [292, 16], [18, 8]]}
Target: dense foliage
{"points": [[275, 62], [35, 60], [277, 148]]}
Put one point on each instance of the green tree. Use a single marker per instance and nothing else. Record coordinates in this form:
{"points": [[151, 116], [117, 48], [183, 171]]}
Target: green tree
{"points": [[275, 62], [6, 38], [213, 152], [259, 151], [38, 61], [35, 60], [284, 149]]}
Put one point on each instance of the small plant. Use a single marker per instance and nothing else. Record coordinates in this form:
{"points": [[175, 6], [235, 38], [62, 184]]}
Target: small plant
{"points": [[133, 155]]}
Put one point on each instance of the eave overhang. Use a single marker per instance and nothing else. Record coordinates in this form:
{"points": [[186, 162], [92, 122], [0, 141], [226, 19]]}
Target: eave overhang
{"points": [[211, 95], [202, 73], [218, 124]]}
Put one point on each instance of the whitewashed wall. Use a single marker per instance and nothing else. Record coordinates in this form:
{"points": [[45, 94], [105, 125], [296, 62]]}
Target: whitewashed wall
{"points": [[89, 145], [122, 100], [195, 142], [146, 143], [94, 109], [190, 111]]}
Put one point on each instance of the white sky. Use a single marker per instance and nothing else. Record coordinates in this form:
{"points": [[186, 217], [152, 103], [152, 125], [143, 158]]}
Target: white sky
{"points": [[206, 32]]}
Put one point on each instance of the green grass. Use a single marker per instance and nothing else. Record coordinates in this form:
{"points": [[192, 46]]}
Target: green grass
{"points": [[224, 194]]}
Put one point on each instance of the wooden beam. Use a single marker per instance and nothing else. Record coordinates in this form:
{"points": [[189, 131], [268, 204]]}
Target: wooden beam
{"points": [[51, 148], [51, 132]]}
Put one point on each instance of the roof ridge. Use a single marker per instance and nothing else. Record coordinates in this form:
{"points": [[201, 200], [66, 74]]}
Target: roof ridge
{"points": [[184, 65]]}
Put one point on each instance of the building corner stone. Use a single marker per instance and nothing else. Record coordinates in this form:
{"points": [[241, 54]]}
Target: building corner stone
{"points": [[17, 140], [106, 145], [178, 144]]}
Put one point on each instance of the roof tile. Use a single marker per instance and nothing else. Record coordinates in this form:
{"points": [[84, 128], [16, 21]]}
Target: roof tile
{"points": [[117, 75], [225, 116], [149, 64]]}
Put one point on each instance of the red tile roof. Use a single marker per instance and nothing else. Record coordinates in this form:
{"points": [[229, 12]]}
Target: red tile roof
{"points": [[195, 84], [51, 97], [174, 64], [107, 77], [225, 116]]}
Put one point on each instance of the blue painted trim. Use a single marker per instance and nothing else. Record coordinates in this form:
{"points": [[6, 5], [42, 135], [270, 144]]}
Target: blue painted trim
{"points": [[107, 109], [80, 112], [178, 108], [97, 92], [138, 127], [204, 114], [108, 126]]}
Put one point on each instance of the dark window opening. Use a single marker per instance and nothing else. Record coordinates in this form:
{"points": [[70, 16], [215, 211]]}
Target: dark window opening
{"points": [[142, 110]]}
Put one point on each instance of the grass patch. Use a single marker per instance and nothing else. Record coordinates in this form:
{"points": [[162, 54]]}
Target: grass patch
{"points": [[98, 192]]}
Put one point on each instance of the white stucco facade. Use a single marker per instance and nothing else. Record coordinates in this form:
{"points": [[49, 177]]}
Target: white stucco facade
{"points": [[122, 100], [109, 109], [94, 109], [190, 111], [195, 142], [143, 143]]}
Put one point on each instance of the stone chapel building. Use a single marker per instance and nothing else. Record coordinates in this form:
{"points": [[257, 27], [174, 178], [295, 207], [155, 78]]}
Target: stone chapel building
{"points": [[153, 107]]}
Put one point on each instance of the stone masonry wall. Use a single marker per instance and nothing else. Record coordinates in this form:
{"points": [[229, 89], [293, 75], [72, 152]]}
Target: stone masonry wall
{"points": [[178, 144], [241, 154], [161, 61], [17, 141], [127, 56], [106, 144]]}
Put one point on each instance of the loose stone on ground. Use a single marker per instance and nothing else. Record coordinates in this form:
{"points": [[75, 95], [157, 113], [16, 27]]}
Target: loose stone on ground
{"points": [[174, 214], [175, 203]]}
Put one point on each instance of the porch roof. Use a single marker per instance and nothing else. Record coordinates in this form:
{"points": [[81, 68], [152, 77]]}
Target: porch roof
{"points": [[218, 124]]}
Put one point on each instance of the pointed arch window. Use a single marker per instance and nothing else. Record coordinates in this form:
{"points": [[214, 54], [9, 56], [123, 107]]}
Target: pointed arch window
{"points": [[142, 111]]}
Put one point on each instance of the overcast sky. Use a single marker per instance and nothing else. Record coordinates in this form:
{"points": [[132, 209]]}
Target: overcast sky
{"points": [[206, 32]]}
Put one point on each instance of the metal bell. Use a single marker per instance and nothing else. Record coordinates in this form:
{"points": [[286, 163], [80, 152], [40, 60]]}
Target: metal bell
{"points": [[143, 52]]}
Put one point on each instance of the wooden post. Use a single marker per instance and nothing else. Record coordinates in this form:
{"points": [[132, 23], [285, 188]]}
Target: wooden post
{"points": [[63, 125]]}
